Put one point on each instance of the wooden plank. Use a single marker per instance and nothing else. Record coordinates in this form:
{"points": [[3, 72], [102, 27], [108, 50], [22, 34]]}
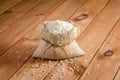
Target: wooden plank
{"points": [[6, 4], [33, 38], [117, 77], [16, 12], [68, 11], [89, 41], [17, 29], [106, 62], [86, 13], [20, 73], [46, 69], [7, 69]]}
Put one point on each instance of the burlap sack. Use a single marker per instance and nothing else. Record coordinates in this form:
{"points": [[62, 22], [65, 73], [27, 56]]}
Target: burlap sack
{"points": [[58, 46]]}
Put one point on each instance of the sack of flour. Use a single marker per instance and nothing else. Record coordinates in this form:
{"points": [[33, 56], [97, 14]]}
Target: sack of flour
{"points": [[58, 40]]}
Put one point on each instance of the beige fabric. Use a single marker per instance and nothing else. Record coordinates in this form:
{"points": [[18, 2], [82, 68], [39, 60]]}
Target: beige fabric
{"points": [[56, 46]]}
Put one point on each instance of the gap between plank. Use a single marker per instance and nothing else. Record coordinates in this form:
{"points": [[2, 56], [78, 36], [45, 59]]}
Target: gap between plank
{"points": [[10, 6], [28, 25], [100, 46], [34, 27], [94, 18], [116, 73], [15, 21], [85, 29], [31, 30], [21, 16]]}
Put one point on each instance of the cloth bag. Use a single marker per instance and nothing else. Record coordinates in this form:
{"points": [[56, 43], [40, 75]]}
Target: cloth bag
{"points": [[58, 40]]}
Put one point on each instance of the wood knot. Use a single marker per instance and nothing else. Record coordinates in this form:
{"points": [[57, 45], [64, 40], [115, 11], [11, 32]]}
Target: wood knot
{"points": [[81, 17], [108, 53]]}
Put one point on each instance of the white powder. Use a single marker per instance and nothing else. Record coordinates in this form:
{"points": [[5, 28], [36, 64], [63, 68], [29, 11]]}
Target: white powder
{"points": [[58, 27]]}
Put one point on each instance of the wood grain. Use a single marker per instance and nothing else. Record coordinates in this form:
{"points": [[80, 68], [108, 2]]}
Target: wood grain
{"points": [[117, 77], [6, 4], [14, 58], [28, 39], [21, 26], [106, 62], [88, 12], [14, 13], [46, 69], [21, 70], [99, 21], [90, 41]]}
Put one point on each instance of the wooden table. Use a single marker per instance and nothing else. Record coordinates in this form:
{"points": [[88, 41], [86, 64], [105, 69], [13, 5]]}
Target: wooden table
{"points": [[99, 22]]}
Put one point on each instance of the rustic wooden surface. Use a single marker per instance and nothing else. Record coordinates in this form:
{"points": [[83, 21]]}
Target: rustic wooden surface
{"points": [[6, 4], [99, 22]]}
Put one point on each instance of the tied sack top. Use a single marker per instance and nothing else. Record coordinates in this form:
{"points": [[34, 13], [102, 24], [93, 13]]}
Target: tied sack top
{"points": [[58, 33], [58, 40]]}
